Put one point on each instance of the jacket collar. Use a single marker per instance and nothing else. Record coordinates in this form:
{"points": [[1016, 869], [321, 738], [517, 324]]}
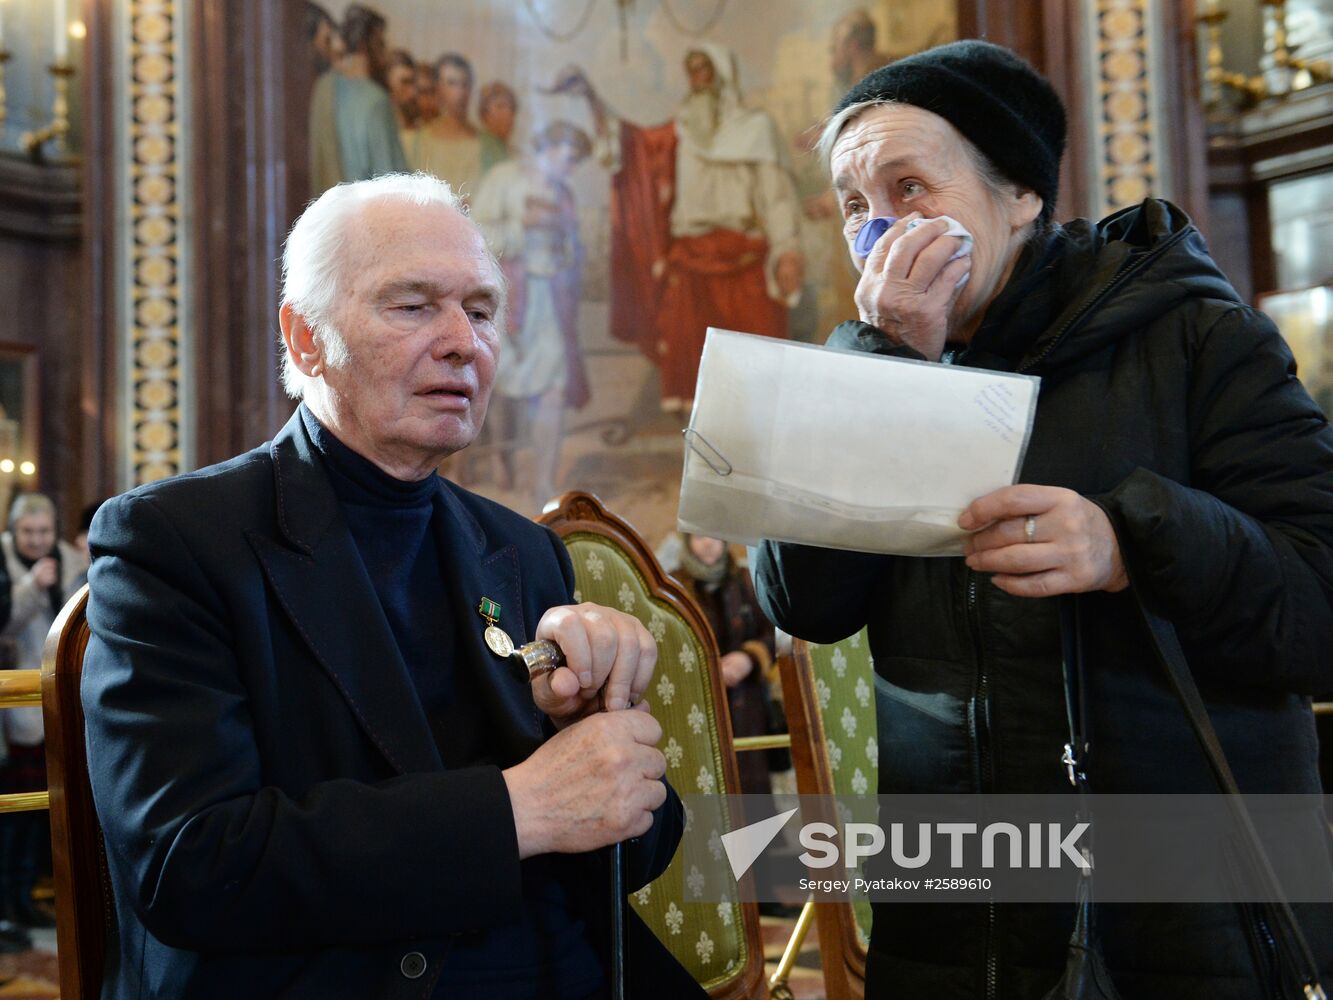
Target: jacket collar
{"points": [[318, 576]]}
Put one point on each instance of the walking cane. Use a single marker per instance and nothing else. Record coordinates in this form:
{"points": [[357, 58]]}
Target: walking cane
{"points": [[542, 657]]}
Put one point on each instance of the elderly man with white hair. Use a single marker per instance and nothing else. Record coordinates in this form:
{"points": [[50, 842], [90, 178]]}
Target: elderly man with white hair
{"points": [[316, 775]]}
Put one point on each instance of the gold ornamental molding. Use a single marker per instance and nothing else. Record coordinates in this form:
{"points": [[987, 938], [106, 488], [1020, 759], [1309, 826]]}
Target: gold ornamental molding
{"points": [[1125, 110], [151, 106]]}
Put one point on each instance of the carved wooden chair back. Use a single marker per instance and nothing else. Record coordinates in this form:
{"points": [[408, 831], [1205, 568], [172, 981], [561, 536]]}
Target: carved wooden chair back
{"points": [[829, 691], [718, 942], [85, 916]]}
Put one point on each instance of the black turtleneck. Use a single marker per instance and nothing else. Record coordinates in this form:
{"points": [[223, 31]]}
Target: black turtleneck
{"points": [[397, 526], [391, 525]]}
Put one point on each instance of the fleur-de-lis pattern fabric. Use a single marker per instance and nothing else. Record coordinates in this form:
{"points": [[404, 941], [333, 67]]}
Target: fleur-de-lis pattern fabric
{"points": [[705, 937], [844, 679]]}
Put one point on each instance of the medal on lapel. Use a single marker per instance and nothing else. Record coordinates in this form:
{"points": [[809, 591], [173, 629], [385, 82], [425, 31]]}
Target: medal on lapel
{"points": [[496, 638]]}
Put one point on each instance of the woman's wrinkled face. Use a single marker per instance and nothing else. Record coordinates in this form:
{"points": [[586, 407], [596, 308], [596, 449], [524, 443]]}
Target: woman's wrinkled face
{"points": [[898, 159], [35, 535]]}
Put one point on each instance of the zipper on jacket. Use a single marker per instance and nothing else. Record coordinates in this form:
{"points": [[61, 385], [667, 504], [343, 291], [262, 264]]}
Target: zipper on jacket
{"points": [[1269, 973], [1123, 273], [981, 736]]}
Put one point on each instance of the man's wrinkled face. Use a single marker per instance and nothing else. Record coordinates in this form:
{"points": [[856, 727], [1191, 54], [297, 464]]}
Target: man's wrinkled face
{"points": [[35, 535], [419, 317], [699, 71], [455, 90], [899, 159]]}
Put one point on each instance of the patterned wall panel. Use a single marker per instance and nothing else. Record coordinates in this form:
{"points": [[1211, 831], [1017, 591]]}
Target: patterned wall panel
{"points": [[1128, 164], [155, 357]]}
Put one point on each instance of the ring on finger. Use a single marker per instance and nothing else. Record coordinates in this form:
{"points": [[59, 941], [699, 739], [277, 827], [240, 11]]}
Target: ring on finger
{"points": [[1030, 528]]}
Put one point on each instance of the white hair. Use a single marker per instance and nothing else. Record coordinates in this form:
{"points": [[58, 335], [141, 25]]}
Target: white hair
{"points": [[312, 257], [28, 504]]}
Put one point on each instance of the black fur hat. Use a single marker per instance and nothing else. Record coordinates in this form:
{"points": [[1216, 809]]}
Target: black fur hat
{"points": [[997, 101]]}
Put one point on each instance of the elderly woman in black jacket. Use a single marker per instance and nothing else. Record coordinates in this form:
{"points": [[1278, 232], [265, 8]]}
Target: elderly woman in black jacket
{"points": [[1175, 460]]}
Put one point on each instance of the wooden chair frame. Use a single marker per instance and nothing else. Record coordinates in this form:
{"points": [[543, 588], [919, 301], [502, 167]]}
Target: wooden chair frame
{"points": [[842, 954], [577, 512], [85, 913]]}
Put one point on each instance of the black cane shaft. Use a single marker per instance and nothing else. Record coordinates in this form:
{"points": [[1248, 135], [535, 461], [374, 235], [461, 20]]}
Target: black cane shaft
{"points": [[542, 657], [617, 922]]}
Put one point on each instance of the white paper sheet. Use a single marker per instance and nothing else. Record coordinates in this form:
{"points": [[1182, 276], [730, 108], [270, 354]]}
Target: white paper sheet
{"points": [[799, 443]]}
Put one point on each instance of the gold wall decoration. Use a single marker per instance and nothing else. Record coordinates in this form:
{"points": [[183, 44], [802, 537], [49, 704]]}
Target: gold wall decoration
{"points": [[1128, 162], [151, 105]]}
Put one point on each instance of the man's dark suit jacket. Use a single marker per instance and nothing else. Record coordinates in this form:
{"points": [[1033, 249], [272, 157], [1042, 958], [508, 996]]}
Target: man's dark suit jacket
{"points": [[277, 818]]}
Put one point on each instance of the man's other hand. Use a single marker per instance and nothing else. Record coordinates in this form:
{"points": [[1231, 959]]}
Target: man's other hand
{"points": [[609, 654], [592, 784]]}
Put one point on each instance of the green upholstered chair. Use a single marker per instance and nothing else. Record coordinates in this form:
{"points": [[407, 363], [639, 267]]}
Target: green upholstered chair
{"points": [[829, 691], [718, 942]]}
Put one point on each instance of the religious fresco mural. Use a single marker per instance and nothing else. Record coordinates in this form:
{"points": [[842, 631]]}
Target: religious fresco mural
{"points": [[643, 170]]}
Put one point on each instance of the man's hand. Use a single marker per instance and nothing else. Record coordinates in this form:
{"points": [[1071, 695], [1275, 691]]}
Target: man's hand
{"points": [[735, 667], [908, 284], [1073, 548], [590, 785], [608, 653], [44, 572]]}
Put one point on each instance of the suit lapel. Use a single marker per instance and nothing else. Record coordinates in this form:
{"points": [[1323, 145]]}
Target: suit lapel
{"points": [[321, 583], [473, 574]]}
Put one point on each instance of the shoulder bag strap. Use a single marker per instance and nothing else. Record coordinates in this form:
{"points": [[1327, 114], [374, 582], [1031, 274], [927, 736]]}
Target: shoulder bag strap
{"points": [[1294, 948]]}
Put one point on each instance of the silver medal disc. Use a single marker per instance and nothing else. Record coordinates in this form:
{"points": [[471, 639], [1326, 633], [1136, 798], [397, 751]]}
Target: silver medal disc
{"points": [[498, 641]]}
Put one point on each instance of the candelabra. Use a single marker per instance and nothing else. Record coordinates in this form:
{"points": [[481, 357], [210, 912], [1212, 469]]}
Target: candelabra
{"points": [[55, 132], [1282, 71]]}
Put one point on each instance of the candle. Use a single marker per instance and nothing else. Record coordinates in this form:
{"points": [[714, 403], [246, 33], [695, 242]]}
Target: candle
{"points": [[61, 38]]}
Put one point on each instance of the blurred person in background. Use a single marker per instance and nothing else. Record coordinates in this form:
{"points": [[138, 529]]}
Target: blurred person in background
{"points": [[43, 570], [722, 588], [80, 543]]}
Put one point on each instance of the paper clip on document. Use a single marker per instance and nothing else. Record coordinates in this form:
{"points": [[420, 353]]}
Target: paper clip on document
{"points": [[690, 434]]}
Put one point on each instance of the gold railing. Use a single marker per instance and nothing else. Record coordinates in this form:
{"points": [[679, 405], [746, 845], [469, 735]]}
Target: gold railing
{"points": [[1323, 708], [18, 689], [778, 741], [777, 983]]}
